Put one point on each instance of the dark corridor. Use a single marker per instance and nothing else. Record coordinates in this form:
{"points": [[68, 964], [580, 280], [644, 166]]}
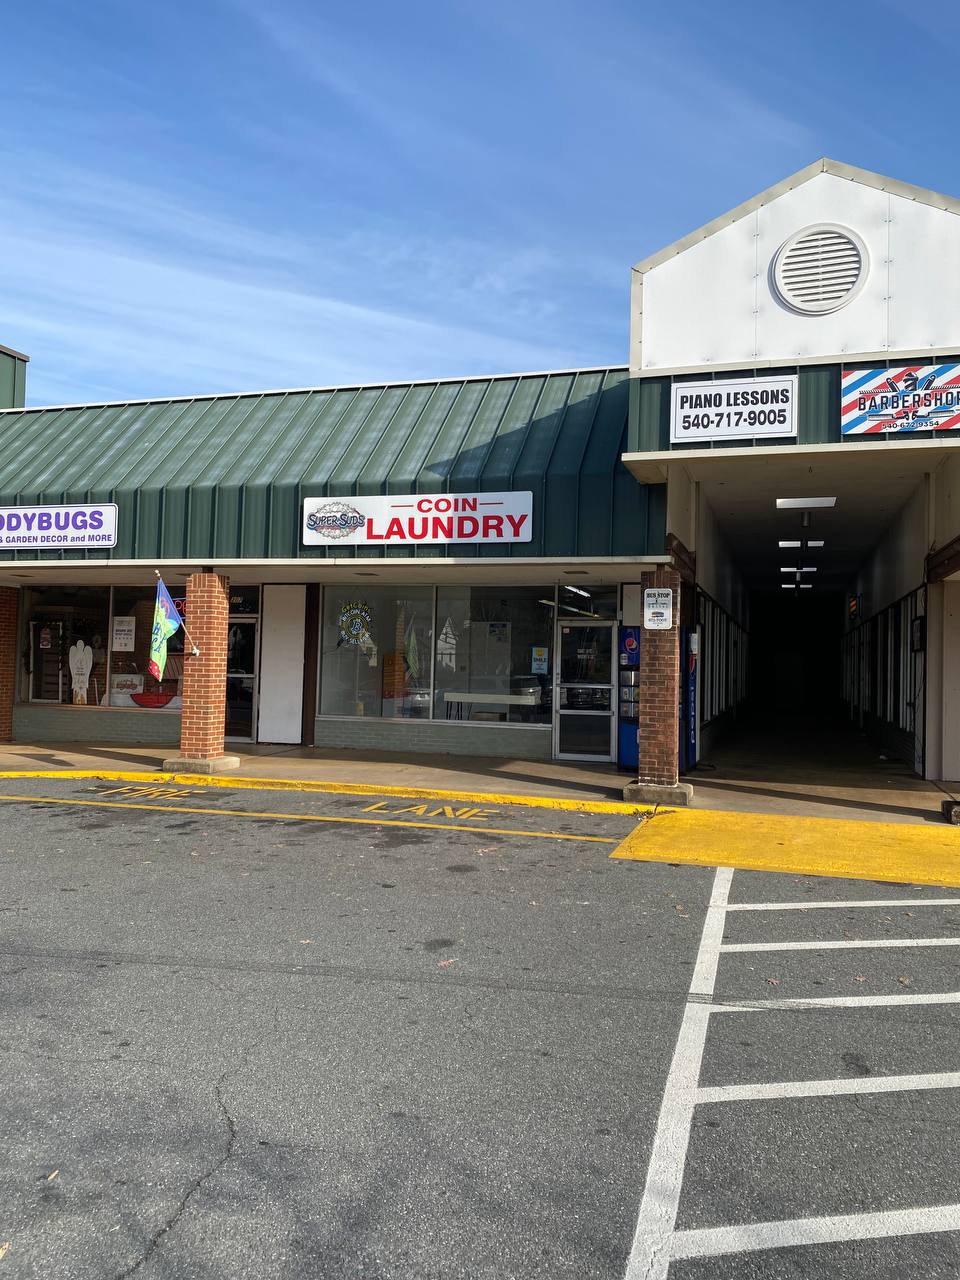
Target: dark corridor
{"points": [[795, 658]]}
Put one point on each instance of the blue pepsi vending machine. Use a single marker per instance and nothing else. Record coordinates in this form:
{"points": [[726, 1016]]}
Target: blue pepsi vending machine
{"points": [[689, 692], [628, 755]]}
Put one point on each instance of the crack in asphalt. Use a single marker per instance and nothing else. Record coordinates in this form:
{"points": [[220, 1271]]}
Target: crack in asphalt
{"points": [[219, 1093]]}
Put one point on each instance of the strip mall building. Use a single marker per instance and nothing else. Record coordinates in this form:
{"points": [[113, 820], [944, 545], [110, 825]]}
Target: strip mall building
{"points": [[593, 564]]}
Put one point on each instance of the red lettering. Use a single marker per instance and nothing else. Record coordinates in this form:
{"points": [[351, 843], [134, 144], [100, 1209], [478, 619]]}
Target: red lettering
{"points": [[467, 504], [395, 530], [442, 529], [493, 526], [467, 527], [424, 524], [374, 537], [443, 504], [517, 523], [424, 504]]}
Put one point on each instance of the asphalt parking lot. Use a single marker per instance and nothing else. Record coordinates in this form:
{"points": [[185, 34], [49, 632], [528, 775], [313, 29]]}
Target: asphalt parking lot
{"points": [[253, 1033]]}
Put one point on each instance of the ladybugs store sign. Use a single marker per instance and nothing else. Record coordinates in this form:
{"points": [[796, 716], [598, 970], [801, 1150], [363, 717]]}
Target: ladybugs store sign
{"points": [[404, 519]]}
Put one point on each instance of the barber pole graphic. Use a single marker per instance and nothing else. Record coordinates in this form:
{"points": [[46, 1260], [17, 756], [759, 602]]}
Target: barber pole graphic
{"points": [[914, 397]]}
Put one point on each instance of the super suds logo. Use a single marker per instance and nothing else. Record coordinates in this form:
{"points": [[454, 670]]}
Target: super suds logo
{"points": [[335, 520]]}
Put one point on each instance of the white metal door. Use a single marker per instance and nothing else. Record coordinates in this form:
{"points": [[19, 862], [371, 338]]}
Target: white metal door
{"points": [[282, 613]]}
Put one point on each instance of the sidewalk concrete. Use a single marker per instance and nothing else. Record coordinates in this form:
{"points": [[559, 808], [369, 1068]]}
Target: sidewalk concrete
{"points": [[864, 786], [316, 764], [822, 773]]}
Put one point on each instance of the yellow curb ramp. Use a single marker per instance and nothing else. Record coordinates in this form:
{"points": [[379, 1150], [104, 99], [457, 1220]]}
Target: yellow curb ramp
{"points": [[848, 848], [482, 798]]}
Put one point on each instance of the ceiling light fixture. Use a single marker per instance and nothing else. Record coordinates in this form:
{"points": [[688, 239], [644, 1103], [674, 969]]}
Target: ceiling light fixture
{"points": [[806, 586], [788, 586], [579, 590], [804, 504], [788, 545], [813, 543]]}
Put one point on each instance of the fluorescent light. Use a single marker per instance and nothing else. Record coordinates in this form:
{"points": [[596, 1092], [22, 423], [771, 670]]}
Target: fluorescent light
{"points": [[579, 590], [808, 569], [806, 586], [785, 545], [804, 504], [788, 586], [815, 544], [790, 568]]}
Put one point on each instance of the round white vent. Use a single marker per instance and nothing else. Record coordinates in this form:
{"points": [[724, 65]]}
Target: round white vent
{"points": [[820, 269]]}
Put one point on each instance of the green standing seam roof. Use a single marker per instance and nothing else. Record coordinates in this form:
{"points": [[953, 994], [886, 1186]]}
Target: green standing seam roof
{"points": [[224, 477]]}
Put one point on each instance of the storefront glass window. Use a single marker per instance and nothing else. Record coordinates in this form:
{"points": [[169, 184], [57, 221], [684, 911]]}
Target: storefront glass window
{"points": [[65, 645], [587, 601], [494, 657], [131, 684], [376, 645]]}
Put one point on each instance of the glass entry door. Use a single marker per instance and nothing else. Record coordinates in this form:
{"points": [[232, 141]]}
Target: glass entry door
{"points": [[583, 726], [241, 678]]}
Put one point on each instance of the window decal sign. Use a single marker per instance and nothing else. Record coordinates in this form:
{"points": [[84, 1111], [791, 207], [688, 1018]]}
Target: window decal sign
{"points": [[425, 518], [733, 409], [912, 397], [355, 621], [44, 527]]}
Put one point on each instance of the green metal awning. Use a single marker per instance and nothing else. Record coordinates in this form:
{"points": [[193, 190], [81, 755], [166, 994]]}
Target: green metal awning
{"points": [[224, 477]]}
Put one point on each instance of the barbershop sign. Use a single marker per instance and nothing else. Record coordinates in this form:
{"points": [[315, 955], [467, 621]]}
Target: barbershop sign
{"points": [[412, 518], [43, 528], [901, 398]]}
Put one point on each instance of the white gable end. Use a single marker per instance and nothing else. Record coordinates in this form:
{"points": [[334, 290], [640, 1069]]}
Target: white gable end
{"points": [[717, 302]]}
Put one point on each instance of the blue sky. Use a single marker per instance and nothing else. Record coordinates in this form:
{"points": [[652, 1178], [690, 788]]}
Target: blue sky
{"points": [[215, 195]]}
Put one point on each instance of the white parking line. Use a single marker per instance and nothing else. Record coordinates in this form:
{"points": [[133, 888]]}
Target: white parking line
{"points": [[837, 1002], [826, 1088], [650, 1252], [826, 906], [840, 945], [656, 1242], [710, 1241]]}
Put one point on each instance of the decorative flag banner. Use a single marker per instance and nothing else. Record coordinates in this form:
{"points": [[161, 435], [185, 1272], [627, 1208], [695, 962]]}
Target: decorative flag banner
{"points": [[914, 397], [166, 621]]}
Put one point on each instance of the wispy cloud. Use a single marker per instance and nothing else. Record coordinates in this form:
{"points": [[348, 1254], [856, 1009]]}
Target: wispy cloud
{"points": [[116, 289]]}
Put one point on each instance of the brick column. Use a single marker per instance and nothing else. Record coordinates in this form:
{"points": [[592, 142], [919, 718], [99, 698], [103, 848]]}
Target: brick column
{"points": [[204, 683], [9, 599], [659, 682]]}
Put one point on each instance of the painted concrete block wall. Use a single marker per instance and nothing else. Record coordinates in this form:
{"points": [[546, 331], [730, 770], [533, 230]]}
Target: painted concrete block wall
{"points": [[33, 722], [519, 742], [933, 678], [897, 564], [681, 507], [946, 499], [717, 572], [950, 665]]}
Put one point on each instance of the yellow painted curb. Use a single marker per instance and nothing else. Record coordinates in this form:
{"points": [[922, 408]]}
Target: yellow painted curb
{"points": [[482, 798], [857, 850]]}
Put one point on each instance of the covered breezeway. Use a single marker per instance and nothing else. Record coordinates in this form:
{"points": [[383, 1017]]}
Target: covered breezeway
{"points": [[806, 589]]}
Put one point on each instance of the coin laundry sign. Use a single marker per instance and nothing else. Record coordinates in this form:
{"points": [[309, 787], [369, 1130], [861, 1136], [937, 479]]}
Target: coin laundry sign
{"points": [[418, 517], [904, 398]]}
